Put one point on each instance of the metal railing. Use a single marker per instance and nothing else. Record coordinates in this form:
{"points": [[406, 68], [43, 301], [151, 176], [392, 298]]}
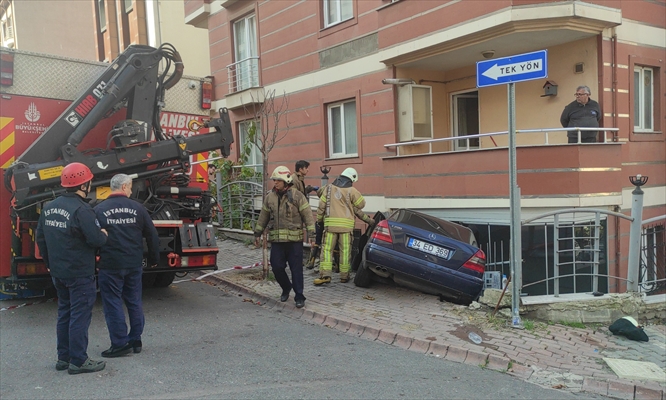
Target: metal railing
{"points": [[240, 203], [652, 268], [545, 133], [243, 74], [577, 247]]}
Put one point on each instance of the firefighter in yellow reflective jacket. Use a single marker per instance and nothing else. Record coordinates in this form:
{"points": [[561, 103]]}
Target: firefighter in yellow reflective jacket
{"points": [[338, 205], [285, 211]]}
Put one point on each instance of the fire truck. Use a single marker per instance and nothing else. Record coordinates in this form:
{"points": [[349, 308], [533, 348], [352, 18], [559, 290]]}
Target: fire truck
{"points": [[113, 118]]}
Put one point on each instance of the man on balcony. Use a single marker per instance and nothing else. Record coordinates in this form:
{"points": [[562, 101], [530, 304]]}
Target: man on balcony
{"points": [[581, 113]]}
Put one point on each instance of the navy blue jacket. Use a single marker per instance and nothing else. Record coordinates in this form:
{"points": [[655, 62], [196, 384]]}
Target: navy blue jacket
{"points": [[68, 235], [127, 222]]}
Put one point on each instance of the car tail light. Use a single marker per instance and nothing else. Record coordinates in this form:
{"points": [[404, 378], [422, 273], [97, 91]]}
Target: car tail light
{"points": [[37, 268], [382, 232], [477, 262]]}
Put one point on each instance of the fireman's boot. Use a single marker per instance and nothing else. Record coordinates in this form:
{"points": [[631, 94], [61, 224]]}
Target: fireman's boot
{"points": [[344, 277], [322, 279], [314, 254]]}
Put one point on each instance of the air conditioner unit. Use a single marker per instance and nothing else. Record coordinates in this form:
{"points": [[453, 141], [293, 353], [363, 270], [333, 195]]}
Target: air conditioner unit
{"points": [[414, 112]]}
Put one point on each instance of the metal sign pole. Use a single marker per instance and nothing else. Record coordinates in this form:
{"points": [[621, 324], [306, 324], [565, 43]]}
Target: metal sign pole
{"points": [[514, 197]]}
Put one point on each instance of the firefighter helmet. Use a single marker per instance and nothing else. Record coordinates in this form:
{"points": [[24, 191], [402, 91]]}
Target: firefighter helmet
{"points": [[75, 174], [350, 173], [282, 173]]}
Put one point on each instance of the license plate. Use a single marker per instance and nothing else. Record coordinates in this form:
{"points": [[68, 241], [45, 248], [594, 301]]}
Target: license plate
{"points": [[438, 251]]}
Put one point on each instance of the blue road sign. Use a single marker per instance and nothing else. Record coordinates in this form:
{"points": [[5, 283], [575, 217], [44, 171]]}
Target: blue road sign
{"points": [[518, 68]]}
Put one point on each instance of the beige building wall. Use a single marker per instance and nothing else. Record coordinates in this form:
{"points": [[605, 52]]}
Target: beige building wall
{"points": [[191, 42], [63, 27]]}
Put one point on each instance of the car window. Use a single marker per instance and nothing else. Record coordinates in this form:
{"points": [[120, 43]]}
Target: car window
{"points": [[432, 224]]}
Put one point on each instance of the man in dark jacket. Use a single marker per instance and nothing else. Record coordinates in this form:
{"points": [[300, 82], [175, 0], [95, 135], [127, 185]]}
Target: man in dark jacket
{"points": [[68, 235], [121, 264], [302, 167], [581, 113]]}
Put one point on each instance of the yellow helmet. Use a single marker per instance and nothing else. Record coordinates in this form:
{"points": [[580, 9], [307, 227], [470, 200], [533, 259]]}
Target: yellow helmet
{"points": [[282, 173]]}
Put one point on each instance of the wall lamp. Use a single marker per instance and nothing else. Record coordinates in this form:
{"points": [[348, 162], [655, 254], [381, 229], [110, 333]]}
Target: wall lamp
{"points": [[400, 82]]}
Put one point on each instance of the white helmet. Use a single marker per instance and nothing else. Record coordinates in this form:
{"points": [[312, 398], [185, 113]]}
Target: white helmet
{"points": [[282, 173], [350, 173]]}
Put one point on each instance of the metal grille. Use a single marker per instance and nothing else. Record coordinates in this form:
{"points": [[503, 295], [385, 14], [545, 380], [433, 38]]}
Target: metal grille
{"points": [[652, 268], [63, 78], [243, 74]]}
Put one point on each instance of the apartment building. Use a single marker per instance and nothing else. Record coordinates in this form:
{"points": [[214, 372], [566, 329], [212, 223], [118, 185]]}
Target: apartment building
{"points": [[387, 86]]}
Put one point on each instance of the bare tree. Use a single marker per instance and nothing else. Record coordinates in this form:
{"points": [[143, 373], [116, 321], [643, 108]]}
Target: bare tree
{"points": [[270, 127]]}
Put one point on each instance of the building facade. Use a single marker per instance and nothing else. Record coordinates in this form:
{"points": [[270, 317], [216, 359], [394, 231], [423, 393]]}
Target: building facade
{"points": [[387, 86], [67, 24]]}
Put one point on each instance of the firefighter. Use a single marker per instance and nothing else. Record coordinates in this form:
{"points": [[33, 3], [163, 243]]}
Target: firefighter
{"points": [[285, 211], [120, 264], [68, 235], [338, 205]]}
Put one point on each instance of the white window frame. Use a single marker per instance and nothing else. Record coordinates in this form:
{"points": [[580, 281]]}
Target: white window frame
{"points": [[474, 144], [101, 8], [255, 160], [640, 95], [337, 7], [246, 58], [344, 135]]}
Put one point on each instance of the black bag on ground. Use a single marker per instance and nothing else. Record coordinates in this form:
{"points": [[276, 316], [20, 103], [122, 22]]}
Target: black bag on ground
{"points": [[628, 327]]}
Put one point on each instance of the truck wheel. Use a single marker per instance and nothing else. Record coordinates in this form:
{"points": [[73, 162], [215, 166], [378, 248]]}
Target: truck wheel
{"points": [[148, 280], [164, 279], [363, 276]]}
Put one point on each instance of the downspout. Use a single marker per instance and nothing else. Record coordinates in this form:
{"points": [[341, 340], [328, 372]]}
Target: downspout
{"points": [[615, 139]]}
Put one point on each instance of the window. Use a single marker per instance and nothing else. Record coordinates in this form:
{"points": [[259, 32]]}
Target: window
{"points": [[643, 99], [246, 68], [336, 11], [101, 13], [128, 5], [466, 119], [249, 130], [342, 136]]}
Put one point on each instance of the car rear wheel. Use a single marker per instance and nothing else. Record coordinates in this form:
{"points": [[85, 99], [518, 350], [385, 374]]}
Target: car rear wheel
{"points": [[363, 276]]}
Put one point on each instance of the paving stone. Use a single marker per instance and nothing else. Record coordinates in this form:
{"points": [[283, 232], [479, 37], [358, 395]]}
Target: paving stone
{"points": [[438, 349], [456, 354], [620, 390], [644, 393], [497, 363], [520, 371], [420, 346], [476, 358], [386, 336], [370, 333], [595, 386], [404, 342]]}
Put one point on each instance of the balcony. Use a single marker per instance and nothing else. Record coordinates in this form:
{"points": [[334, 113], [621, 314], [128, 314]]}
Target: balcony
{"points": [[548, 167], [243, 80]]}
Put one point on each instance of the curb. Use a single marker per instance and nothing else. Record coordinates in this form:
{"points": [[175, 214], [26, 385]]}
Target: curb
{"points": [[616, 388]]}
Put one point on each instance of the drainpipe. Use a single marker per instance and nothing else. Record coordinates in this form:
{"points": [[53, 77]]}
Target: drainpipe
{"points": [[614, 77]]}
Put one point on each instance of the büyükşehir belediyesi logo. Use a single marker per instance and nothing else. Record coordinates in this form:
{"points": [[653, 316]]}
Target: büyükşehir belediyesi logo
{"points": [[32, 114]]}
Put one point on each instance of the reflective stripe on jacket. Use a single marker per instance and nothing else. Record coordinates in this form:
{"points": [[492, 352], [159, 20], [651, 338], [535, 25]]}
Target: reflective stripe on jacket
{"points": [[284, 216], [338, 206]]}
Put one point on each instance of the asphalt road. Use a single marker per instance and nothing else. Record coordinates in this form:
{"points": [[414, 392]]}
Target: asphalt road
{"points": [[203, 343]]}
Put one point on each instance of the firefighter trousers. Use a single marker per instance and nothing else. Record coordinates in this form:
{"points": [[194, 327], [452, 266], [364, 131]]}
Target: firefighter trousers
{"points": [[343, 241]]}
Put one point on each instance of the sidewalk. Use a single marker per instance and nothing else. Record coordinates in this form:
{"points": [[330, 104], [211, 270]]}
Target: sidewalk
{"points": [[551, 355]]}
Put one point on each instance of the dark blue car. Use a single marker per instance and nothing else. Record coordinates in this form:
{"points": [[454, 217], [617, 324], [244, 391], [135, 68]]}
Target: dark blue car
{"points": [[425, 253]]}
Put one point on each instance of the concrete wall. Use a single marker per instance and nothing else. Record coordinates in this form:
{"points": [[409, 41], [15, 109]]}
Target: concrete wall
{"points": [[63, 28]]}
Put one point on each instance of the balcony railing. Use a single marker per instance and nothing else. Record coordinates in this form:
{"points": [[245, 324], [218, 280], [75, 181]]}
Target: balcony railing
{"points": [[243, 74], [544, 137]]}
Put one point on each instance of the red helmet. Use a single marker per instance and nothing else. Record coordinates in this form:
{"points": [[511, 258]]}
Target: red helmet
{"points": [[75, 174]]}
